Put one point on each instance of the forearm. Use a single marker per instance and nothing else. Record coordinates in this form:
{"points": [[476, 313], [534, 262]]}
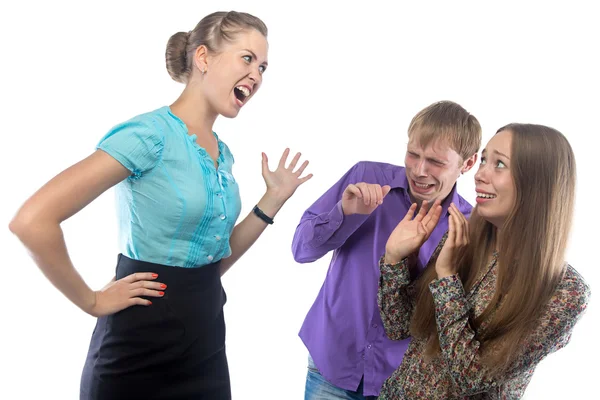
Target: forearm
{"points": [[249, 230], [395, 302], [46, 245], [321, 232]]}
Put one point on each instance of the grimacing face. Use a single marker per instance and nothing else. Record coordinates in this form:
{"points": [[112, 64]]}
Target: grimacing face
{"points": [[432, 170]]}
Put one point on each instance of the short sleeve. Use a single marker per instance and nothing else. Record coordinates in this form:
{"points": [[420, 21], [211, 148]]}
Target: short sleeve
{"points": [[135, 144]]}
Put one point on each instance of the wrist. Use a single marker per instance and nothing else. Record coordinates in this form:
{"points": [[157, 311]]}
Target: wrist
{"points": [[271, 203], [441, 274], [345, 208], [392, 258], [89, 302]]}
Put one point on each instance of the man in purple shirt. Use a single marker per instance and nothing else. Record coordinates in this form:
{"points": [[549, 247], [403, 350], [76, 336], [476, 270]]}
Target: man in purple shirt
{"points": [[350, 354]]}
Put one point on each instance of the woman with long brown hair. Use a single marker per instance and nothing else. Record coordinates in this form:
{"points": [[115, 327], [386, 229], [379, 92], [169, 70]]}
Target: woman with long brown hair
{"points": [[497, 296]]}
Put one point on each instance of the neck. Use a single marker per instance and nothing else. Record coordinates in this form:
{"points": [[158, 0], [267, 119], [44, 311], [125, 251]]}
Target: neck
{"points": [[419, 202], [415, 200], [496, 241], [195, 112]]}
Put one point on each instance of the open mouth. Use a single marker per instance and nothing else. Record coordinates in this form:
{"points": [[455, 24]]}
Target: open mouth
{"points": [[241, 93], [486, 196], [422, 186]]}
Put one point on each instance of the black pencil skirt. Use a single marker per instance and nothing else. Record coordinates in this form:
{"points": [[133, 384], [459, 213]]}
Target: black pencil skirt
{"points": [[172, 349]]}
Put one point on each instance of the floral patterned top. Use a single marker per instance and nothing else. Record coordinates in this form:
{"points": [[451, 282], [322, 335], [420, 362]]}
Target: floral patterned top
{"points": [[457, 373]]}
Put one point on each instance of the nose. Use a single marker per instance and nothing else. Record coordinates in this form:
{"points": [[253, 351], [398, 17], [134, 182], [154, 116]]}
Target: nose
{"points": [[420, 168], [482, 174], [255, 76]]}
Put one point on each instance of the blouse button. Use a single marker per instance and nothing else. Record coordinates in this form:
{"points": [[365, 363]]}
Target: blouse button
{"points": [[223, 216], [217, 238], [210, 258]]}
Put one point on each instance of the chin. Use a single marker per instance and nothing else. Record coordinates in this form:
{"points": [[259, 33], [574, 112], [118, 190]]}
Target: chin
{"points": [[430, 198], [230, 113], [479, 212], [487, 217]]}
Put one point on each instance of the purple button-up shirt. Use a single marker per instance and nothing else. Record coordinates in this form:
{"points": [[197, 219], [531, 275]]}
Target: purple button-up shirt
{"points": [[343, 330]]}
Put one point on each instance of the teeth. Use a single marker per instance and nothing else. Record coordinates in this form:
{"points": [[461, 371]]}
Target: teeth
{"points": [[422, 186], [244, 90], [486, 196]]}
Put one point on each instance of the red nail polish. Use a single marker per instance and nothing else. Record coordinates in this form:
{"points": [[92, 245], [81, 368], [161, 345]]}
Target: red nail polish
{"points": [[161, 293], [155, 275], [149, 303], [163, 286]]}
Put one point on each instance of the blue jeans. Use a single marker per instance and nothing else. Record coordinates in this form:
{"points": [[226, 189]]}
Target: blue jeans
{"points": [[317, 388]]}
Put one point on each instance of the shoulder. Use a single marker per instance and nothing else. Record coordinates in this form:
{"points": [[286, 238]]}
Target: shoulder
{"points": [[138, 142], [376, 172], [565, 308], [573, 292], [147, 126], [463, 205], [156, 122]]}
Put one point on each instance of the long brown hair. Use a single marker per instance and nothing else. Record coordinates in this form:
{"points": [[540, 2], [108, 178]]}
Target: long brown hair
{"points": [[531, 248]]}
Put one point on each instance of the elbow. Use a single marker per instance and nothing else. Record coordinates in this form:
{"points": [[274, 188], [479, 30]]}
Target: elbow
{"points": [[302, 251], [300, 255], [22, 224], [299, 258], [19, 225], [395, 334], [394, 329]]}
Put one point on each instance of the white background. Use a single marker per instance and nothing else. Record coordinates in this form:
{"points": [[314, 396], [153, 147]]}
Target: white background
{"points": [[343, 83]]}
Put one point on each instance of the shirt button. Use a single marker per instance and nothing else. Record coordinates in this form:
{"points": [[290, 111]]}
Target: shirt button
{"points": [[369, 346], [217, 238], [363, 356], [222, 216], [220, 194], [210, 258], [374, 325]]}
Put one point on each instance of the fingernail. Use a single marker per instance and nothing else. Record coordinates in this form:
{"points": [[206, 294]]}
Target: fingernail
{"points": [[161, 293], [155, 275], [163, 286], [149, 303]]}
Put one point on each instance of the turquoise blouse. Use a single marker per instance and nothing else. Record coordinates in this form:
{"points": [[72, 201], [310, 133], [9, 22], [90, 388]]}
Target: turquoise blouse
{"points": [[175, 208]]}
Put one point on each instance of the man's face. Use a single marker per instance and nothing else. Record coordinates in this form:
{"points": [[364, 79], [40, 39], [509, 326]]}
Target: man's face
{"points": [[432, 170]]}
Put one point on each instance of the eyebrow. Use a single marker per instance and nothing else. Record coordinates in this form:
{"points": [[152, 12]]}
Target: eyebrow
{"points": [[254, 55], [502, 154], [438, 160], [496, 152]]}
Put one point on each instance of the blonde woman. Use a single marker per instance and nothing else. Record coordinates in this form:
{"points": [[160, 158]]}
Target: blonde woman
{"points": [[161, 330]]}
